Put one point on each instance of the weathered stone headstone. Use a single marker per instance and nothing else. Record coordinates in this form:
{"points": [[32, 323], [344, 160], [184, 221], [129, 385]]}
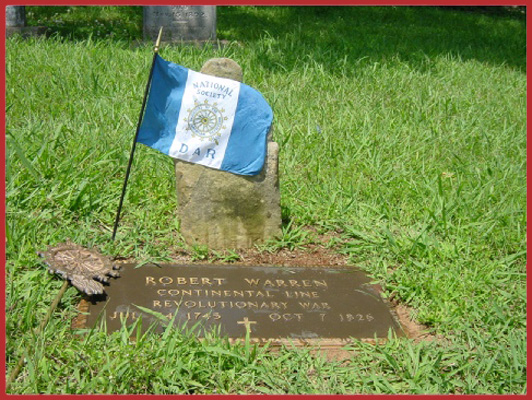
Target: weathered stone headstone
{"points": [[15, 19], [180, 23], [328, 305], [16, 23], [15, 16], [222, 210]]}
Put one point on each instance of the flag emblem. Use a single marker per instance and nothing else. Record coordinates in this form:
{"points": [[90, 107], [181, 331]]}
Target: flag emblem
{"points": [[216, 122], [205, 121]]}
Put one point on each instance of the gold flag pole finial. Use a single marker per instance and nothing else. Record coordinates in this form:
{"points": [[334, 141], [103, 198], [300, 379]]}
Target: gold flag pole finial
{"points": [[158, 42]]}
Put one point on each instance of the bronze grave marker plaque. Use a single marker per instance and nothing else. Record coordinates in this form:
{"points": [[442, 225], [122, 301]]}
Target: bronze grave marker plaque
{"points": [[274, 303]]}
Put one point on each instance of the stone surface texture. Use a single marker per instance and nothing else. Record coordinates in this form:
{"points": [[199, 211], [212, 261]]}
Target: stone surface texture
{"points": [[223, 210], [180, 23], [15, 16], [223, 68], [16, 23]]}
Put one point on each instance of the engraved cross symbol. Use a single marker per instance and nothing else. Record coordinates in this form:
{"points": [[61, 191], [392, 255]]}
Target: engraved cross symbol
{"points": [[247, 323]]}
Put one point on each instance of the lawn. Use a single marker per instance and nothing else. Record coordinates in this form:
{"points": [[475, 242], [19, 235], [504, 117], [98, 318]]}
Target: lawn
{"points": [[403, 138]]}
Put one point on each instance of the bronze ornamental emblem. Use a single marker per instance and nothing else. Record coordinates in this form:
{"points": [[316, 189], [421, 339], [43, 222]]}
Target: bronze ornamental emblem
{"points": [[81, 266]]}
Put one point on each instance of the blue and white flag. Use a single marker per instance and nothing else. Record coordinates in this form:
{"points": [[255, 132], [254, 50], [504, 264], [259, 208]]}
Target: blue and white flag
{"points": [[203, 119]]}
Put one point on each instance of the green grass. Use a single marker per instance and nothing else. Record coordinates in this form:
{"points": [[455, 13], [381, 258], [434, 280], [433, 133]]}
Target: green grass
{"points": [[402, 129]]}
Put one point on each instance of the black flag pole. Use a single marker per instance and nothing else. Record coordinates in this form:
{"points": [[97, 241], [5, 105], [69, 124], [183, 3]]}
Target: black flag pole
{"points": [[155, 51]]}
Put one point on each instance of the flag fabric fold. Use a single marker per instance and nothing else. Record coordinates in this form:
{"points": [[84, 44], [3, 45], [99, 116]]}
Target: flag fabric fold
{"points": [[216, 122]]}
